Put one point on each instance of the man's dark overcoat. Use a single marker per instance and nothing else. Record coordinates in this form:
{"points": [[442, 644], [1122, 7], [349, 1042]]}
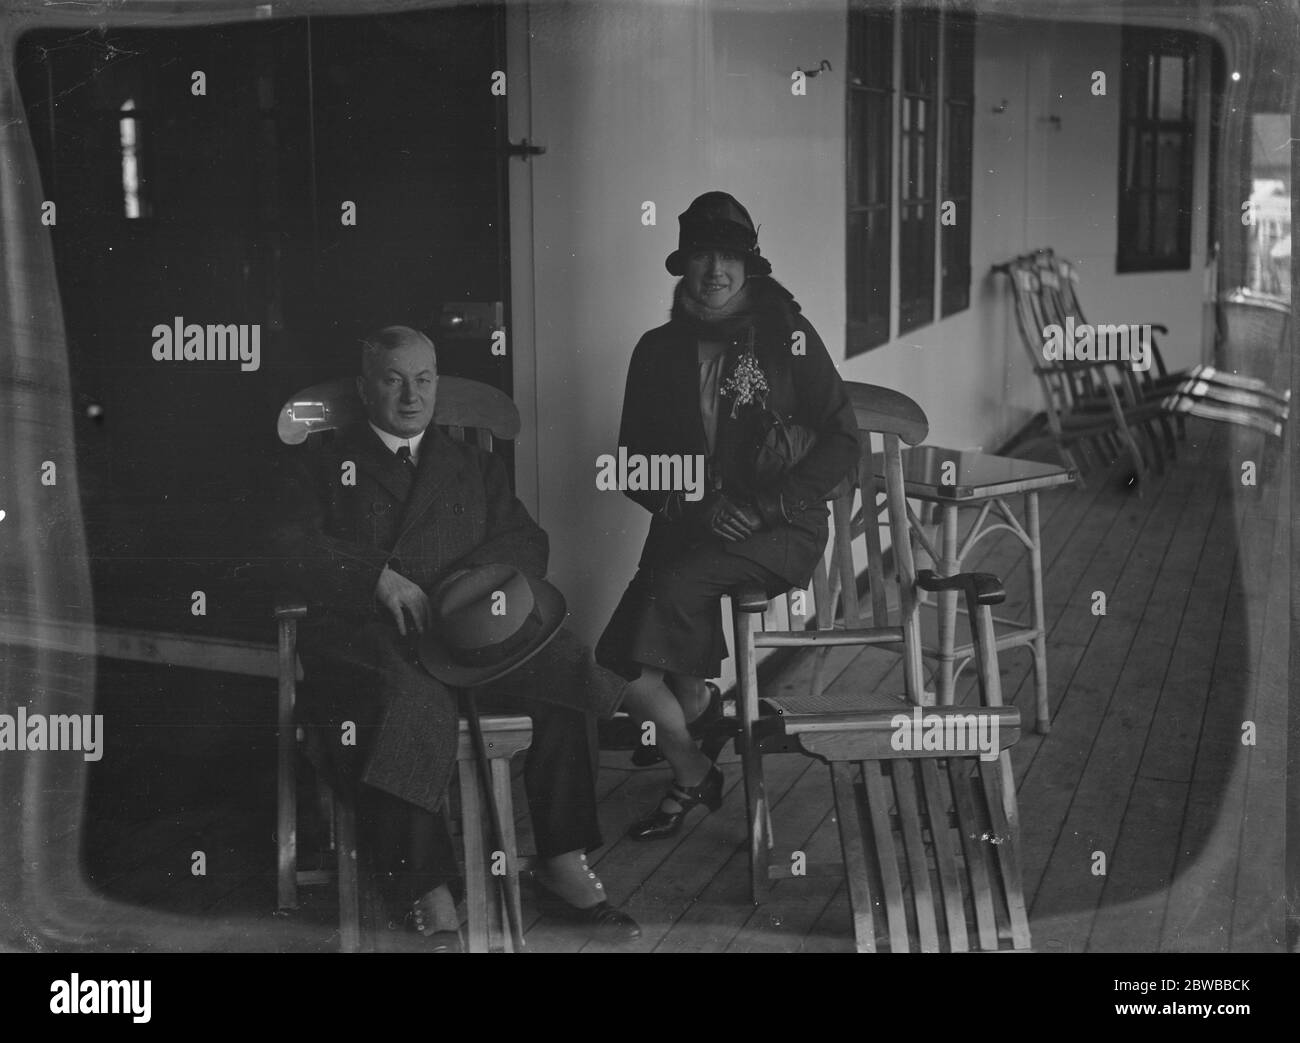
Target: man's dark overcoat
{"points": [[334, 539]]}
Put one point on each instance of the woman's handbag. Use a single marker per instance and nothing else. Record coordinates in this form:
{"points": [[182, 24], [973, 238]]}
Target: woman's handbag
{"points": [[778, 447]]}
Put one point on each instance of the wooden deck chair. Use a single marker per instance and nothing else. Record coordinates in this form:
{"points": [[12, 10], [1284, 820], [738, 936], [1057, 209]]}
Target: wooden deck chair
{"points": [[1152, 426], [894, 622], [1206, 391], [1212, 393], [1086, 435], [1266, 326], [931, 848], [466, 410]]}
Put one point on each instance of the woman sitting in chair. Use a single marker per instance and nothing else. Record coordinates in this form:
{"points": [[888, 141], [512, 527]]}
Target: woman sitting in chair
{"points": [[740, 378]]}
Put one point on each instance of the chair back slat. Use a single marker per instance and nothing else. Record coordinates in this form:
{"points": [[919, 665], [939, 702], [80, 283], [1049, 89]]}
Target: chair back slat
{"points": [[901, 545], [821, 592], [841, 519], [871, 536]]}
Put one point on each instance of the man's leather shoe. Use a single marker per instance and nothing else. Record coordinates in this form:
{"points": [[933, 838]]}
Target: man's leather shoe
{"points": [[445, 941], [422, 918], [660, 823], [602, 921]]}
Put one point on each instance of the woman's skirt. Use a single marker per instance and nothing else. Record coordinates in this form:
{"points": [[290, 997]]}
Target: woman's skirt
{"points": [[669, 616]]}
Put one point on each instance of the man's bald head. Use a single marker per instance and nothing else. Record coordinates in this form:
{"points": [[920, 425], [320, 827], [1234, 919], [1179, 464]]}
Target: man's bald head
{"points": [[375, 345], [399, 380]]}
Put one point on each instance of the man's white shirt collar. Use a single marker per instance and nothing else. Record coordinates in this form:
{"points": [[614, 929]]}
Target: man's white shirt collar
{"points": [[394, 442]]}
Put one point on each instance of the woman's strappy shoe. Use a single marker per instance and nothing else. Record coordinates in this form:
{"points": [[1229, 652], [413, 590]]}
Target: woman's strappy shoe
{"points": [[660, 823]]}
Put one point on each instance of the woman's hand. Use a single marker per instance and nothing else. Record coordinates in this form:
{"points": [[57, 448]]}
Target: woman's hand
{"points": [[730, 521]]}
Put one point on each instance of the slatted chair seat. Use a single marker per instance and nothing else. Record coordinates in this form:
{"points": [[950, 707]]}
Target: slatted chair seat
{"points": [[932, 853]]}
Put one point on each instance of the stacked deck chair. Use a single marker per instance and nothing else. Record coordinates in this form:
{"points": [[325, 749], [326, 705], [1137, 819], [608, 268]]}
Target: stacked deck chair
{"points": [[1100, 407], [1201, 390], [1088, 406]]}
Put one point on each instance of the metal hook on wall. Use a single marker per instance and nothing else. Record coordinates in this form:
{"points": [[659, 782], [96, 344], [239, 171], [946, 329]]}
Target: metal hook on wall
{"points": [[824, 65]]}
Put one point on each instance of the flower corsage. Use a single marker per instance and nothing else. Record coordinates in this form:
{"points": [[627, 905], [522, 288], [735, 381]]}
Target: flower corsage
{"points": [[746, 384]]}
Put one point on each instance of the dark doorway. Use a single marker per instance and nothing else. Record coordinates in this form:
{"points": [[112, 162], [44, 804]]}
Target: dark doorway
{"points": [[209, 174]]}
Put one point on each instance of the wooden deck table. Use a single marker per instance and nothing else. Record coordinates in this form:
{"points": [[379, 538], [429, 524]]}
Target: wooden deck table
{"points": [[951, 479]]}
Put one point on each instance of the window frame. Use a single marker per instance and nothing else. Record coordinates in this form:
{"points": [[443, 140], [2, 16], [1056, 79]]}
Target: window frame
{"points": [[933, 279], [918, 150], [869, 325], [957, 164], [1140, 122]]}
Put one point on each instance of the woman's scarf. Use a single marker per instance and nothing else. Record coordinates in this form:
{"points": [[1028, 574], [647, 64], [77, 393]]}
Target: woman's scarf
{"points": [[715, 323], [761, 301]]}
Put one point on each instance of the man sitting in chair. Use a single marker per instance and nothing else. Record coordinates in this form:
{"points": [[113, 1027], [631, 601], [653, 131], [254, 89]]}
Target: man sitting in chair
{"points": [[394, 532]]}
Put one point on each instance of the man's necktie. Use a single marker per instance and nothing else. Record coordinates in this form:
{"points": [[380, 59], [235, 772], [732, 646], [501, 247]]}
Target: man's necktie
{"points": [[404, 454]]}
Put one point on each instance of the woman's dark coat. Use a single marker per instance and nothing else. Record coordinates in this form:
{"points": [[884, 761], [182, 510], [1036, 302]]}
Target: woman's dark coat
{"points": [[661, 414]]}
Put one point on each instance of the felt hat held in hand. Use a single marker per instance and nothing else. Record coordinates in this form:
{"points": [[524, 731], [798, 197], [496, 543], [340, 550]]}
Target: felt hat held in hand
{"points": [[487, 621]]}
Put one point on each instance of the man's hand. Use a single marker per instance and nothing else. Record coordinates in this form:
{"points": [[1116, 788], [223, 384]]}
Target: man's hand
{"points": [[399, 595], [730, 521]]}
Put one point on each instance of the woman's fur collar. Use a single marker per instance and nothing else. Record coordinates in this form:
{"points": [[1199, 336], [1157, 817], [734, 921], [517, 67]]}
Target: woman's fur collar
{"points": [[769, 301]]}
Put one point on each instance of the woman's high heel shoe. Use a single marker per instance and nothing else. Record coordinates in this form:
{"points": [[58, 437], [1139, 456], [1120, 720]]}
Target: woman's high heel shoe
{"points": [[660, 823]]}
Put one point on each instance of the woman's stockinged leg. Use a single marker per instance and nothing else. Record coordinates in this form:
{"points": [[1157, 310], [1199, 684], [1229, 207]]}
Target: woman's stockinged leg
{"points": [[692, 694], [649, 698]]}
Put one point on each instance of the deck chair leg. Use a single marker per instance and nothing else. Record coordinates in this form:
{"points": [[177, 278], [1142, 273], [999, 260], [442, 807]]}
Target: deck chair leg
{"points": [[510, 893], [345, 818], [1072, 462], [759, 843], [757, 814], [1007, 850], [477, 894], [759, 820], [286, 752], [849, 816], [1042, 710]]}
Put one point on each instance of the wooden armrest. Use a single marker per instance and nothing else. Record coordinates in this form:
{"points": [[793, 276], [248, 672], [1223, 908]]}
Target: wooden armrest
{"points": [[874, 735], [750, 599], [980, 588]]}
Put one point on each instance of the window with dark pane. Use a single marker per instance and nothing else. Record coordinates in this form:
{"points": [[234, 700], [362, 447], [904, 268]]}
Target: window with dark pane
{"points": [[959, 107], [870, 162], [916, 208], [1157, 130]]}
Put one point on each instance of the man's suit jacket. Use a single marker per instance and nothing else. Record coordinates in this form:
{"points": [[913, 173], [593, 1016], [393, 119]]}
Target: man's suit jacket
{"points": [[335, 537]]}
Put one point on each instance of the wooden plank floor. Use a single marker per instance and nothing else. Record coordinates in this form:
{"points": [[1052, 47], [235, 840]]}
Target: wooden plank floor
{"points": [[1145, 763]]}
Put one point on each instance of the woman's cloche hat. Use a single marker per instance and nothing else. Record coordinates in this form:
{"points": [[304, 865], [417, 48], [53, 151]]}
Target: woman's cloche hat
{"points": [[717, 221], [488, 620]]}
